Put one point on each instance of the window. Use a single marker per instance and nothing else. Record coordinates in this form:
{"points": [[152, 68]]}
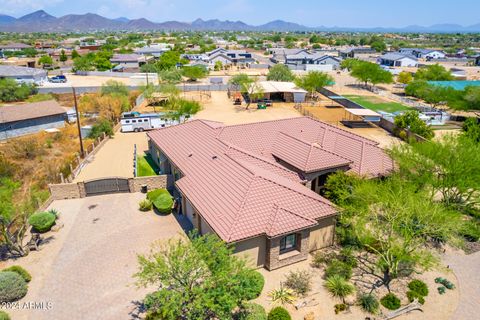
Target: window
{"points": [[134, 121], [288, 243], [127, 121]]}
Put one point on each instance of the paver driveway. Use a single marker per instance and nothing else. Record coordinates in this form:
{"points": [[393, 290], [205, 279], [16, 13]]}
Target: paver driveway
{"points": [[91, 276]]}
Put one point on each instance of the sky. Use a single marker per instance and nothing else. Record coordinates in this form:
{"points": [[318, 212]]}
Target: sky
{"points": [[345, 13]]}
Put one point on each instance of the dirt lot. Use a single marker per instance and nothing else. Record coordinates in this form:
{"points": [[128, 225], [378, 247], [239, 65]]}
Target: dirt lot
{"points": [[86, 81], [220, 108]]}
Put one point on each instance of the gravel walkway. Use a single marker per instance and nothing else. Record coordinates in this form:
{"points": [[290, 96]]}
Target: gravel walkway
{"points": [[467, 270]]}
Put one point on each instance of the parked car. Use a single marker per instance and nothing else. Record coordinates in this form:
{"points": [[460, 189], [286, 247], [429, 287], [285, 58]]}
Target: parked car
{"points": [[58, 79]]}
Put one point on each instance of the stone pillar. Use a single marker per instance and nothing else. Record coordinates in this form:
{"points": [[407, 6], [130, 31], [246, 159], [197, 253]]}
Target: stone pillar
{"points": [[81, 189]]}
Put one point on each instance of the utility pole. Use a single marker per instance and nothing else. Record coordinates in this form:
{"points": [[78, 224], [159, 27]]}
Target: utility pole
{"points": [[82, 152]]}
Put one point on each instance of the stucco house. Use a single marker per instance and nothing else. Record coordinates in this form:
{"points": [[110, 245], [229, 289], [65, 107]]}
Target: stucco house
{"points": [[23, 74], [257, 185], [129, 62], [394, 59], [428, 54], [23, 119]]}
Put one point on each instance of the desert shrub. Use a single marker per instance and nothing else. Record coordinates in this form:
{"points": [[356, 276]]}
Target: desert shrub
{"points": [[254, 283], [161, 199], [419, 287], [282, 295], [21, 271], [42, 221], [369, 303], [299, 281], [337, 267], [347, 257], [101, 127], [321, 258], [447, 284], [4, 315], [253, 311], [441, 290], [12, 286], [340, 307], [145, 205], [390, 301], [412, 295], [279, 313], [339, 287]]}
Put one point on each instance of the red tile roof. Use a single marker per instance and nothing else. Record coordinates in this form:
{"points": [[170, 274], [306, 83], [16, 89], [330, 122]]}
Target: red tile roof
{"points": [[231, 177]]}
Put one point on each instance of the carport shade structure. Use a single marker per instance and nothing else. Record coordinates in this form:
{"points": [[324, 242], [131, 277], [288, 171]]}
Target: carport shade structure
{"points": [[231, 176], [273, 87]]}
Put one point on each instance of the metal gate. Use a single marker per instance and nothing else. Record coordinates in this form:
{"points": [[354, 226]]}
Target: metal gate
{"points": [[105, 186]]}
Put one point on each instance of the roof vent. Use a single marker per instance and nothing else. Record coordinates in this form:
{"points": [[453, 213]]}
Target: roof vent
{"points": [[191, 154], [214, 157]]}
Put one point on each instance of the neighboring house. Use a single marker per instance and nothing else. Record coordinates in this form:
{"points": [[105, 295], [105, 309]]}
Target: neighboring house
{"points": [[153, 50], [427, 54], [14, 47], [23, 74], [257, 185], [226, 57], [353, 51], [394, 59], [129, 62], [19, 120], [279, 55], [312, 61]]}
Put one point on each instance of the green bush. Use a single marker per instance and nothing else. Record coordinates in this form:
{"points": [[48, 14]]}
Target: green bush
{"points": [[412, 295], [145, 205], [390, 301], [12, 286], [254, 283], [337, 267], [419, 287], [161, 199], [99, 128], [321, 258], [442, 290], [347, 256], [42, 221], [4, 315], [369, 303], [279, 313], [447, 284], [253, 311], [299, 281], [21, 271], [340, 307]]}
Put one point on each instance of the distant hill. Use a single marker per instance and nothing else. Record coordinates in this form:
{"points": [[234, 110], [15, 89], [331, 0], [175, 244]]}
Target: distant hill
{"points": [[42, 21]]}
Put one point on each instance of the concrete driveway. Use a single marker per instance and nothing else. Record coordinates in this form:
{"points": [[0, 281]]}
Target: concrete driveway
{"points": [[86, 271]]}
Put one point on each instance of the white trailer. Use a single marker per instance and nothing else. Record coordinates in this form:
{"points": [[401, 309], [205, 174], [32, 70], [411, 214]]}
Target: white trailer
{"points": [[135, 122]]}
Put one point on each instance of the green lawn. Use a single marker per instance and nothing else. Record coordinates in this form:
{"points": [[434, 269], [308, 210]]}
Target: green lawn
{"points": [[146, 166], [377, 104]]}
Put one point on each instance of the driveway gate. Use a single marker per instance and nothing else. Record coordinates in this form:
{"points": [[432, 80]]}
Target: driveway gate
{"points": [[105, 186]]}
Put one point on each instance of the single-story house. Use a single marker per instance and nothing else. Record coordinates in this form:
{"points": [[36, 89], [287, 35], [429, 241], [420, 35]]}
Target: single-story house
{"points": [[423, 53], [257, 185], [19, 120], [129, 62], [279, 55], [153, 50], [312, 61], [394, 59], [352, 51], [23, 74], [14, 47]]}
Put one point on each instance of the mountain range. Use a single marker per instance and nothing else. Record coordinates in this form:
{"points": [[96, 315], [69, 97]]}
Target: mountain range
{"points": [[42, 21]]}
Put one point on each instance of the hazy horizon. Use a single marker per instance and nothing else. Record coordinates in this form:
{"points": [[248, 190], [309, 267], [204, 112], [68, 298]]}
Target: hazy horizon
{"points": [[348, 13]]}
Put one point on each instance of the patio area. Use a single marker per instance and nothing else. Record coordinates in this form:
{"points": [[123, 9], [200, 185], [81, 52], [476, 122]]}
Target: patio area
{"points": [[86, 270]]}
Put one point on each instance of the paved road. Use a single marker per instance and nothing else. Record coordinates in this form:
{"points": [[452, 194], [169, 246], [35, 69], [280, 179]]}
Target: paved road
{"points": [[467, 270], [91, 277]]}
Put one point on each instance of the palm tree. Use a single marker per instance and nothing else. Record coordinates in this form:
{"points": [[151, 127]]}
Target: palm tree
{"points": [[339, 287]]}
